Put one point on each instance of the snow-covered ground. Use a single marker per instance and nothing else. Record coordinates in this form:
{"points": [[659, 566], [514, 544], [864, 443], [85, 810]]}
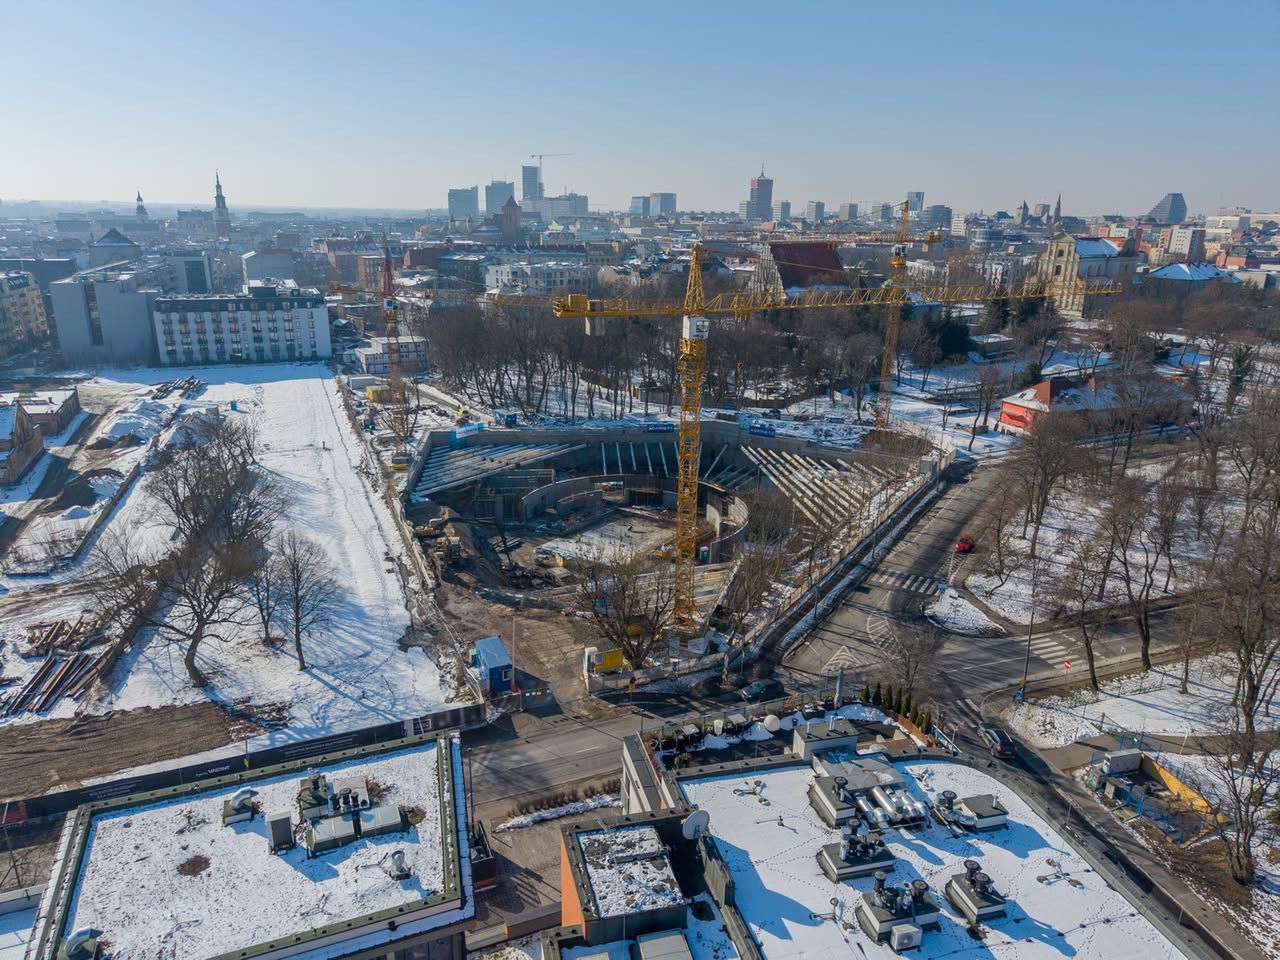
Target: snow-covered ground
{"points": [[130, 886], [960, 616], [357, 673], [1075, 514], [1139, 702], [1058, 906]]}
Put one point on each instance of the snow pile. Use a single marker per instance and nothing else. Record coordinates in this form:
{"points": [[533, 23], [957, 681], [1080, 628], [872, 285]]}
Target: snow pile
{"points": [[246, 895], [1148, 701], [628, 871], [141, 418], [707, 940], [564, 810], [782, 893], [958, 615]]}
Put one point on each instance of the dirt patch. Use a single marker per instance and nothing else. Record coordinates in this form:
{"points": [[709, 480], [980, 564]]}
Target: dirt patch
{"points": [[194, 866], [37, 758]]}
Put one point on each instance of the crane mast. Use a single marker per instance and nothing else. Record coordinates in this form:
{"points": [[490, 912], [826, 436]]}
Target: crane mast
{"points": [[395, 377], [898, 278]]}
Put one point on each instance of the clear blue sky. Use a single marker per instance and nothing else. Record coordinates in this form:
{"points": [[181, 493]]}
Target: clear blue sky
{"points": [[388, 104]]}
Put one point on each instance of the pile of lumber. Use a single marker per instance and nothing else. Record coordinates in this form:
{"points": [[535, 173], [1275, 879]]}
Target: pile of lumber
{"points": [[57, 677], [187, 386], [43, 638]]}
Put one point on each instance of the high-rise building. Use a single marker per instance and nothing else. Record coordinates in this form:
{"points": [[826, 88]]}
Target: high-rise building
{"points": [[938, 216], [915, 201], [782, 210], [882, 212], [640, 206], [1185, 243], [1172, 208], [464, 203], [761, 201], [1040, 211], [530, 183], [815, 211], [958, 226], [496, 195], [221, 215], [662, 204], [848, 211]]}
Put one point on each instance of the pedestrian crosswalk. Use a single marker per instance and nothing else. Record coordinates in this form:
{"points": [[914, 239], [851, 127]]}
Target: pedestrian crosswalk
{"points": [[900, 580], [1050, 649]]}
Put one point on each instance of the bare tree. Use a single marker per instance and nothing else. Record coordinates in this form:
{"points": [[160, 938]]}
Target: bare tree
{"points": [[915, 654], [1049, 454], [990, 383], [1076, 588], [1241, 784], [630, 600], [264, 590], [204, 598], [308, 588]]}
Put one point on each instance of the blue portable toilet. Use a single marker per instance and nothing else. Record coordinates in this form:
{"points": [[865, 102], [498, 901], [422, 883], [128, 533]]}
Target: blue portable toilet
{"points": [[497, 675]]}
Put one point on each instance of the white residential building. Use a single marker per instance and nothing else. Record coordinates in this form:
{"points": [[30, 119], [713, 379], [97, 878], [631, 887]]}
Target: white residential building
{"points": [[274, 320], [539, 277]]}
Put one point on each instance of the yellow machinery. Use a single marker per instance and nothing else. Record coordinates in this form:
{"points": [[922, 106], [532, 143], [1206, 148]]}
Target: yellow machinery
{"points": [[696, 311]]}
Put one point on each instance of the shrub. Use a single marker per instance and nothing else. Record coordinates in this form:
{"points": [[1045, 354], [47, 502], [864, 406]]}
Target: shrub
{"points": [[906, 704], [927, 725], [888, 698], [877, 698], [866, 693]]}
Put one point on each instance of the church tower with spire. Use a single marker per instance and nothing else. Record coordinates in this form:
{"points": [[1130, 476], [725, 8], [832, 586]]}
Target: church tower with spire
{"points": [[140, 211], [221, 215], [1057, 211]]}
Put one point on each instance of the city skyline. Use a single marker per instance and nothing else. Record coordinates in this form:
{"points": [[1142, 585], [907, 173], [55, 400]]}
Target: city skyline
{"points": [[986, 110]]}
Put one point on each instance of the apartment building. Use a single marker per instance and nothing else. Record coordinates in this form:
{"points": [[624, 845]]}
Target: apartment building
{"points": [[22, 318], [269, 321]]}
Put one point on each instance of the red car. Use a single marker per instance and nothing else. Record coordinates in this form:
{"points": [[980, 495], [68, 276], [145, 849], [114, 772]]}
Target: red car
{"points": [[965, 544]]}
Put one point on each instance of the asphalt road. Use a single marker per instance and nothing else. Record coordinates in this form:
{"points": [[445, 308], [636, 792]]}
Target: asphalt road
{"points": [[860, 635]]}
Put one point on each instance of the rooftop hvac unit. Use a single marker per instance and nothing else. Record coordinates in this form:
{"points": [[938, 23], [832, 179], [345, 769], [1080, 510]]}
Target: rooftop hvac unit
{"points": [[905, 936], [280, 832]]}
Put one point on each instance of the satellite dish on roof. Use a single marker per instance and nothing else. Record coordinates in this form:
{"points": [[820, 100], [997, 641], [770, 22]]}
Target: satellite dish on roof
{"points": [[772, 723], [695, 824]]}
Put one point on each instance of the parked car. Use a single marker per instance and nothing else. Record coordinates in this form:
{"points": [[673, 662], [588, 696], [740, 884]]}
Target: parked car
{"points": [[998, 742], [965, 544], [765, 689]]}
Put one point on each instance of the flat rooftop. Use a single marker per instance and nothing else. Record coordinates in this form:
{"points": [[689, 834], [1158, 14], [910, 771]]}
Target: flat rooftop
{"points": [[167, 878], [628, 870], [1058, 906]]}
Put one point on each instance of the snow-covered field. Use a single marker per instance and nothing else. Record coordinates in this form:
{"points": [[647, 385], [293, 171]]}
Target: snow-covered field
{"points": [[960, 616], [1075, 515], [130, 886], [1139, 702], [357, 675], [1058, 906]]}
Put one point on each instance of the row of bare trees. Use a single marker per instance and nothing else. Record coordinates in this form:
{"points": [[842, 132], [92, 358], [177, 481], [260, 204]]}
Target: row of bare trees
{"points": [[217, 560]]}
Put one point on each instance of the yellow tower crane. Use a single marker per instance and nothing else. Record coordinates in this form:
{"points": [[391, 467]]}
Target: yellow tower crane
{"points": [[399, 400], [696, 312]]}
